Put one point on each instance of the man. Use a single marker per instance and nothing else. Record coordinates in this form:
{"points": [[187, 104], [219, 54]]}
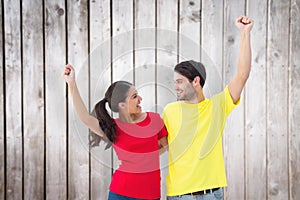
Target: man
{"points": [[195, 125]]}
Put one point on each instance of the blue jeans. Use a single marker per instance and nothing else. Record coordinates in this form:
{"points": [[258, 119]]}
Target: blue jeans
{"points": [[114, 196], [216, 195]]}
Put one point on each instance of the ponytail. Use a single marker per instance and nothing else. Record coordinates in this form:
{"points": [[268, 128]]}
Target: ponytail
{"points": [[116, 93], [106, 123]]}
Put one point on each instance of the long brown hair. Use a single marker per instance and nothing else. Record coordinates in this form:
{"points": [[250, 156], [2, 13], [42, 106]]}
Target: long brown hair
{"points": [[117, 92]]}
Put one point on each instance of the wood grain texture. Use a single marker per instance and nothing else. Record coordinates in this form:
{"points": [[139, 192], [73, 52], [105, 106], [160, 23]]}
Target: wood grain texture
{"points": [[211, 46], [122, 40], [189, 30], [13, 99], [294, 108], [234, 138], [56, 135], [78, 159], [277, 81], [2, 114], [255, 127], [33, 99], [144, 53], [100, 79], [167, 48], [43, 145]]}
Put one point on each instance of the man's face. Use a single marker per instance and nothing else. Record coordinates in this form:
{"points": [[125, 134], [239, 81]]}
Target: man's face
{"points": [[184, 88]]}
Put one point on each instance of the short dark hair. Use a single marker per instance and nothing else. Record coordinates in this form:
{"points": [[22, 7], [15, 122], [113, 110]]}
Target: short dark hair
{"points": [[190, 69]]}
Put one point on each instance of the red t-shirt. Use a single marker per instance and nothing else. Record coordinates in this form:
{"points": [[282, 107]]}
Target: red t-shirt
{"points": [[136, 146]]}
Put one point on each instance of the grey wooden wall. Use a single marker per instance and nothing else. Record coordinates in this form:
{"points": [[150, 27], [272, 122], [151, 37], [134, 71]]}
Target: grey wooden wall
{"points": [[43, 146]]}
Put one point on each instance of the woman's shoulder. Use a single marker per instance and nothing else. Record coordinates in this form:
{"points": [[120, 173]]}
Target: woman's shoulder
{"points": [[155, 117], [153, 114]]}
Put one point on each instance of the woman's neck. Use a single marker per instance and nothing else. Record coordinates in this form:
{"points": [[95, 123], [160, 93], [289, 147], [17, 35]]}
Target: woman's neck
{"points": [[132, 118]]}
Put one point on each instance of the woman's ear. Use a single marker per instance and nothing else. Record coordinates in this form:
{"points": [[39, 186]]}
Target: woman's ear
{"points": [[122, 105]]}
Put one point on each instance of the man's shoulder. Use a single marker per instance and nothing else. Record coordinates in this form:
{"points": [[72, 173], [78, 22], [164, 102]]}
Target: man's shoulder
{"points": [[172, 105], [220, 94]]}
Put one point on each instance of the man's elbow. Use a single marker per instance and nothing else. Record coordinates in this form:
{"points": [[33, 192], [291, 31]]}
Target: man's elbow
{"points": [[243, 76]]}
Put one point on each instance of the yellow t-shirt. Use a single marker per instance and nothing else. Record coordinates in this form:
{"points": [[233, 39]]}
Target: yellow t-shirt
{"points": [[195, 144]]}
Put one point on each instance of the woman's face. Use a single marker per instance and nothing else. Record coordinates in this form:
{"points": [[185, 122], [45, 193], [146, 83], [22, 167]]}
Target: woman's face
{"points": [[133, 101]]}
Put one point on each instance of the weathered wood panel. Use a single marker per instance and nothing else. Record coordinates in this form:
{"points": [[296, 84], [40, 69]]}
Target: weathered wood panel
{"points": [[255, 126], [189, 30], [13, 99], [43, 145], [234, 138], [294, 96], [122, 40], [167, 49], [33, 99], [100, 79], [144, 53], [277, 92], [211, 46], [78, 158], [2, 114], [56, 135], [166, 58]]}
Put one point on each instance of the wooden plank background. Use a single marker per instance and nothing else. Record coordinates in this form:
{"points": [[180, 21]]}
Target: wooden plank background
{"points": [[13, 101], [2, 110], [33, 99], [44, 147]]}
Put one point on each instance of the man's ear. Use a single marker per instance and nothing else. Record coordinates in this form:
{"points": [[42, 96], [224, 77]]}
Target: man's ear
{"points": [[196, 81]]}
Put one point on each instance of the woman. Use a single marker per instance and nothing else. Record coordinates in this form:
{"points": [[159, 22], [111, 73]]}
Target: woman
{"points": [[136, 137]]}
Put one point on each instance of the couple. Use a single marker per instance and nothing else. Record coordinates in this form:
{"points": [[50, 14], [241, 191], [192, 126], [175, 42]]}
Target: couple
{"points": [[190, 129]]}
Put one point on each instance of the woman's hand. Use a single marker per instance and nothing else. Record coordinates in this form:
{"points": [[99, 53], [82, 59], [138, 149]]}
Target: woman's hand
{"points": [[69, 74]]}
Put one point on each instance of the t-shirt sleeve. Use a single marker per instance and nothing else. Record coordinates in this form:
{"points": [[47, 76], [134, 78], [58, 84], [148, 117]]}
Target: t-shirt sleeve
{"points": [[165, 119], [229, 104], [164, 115], [162, 133]]}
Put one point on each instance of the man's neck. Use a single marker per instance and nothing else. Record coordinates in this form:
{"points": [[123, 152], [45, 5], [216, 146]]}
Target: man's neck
{"points": [[197, 99]]}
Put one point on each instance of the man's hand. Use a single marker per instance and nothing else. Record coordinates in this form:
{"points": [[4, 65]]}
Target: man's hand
{"points": [[243, 23], [237, 83]]}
